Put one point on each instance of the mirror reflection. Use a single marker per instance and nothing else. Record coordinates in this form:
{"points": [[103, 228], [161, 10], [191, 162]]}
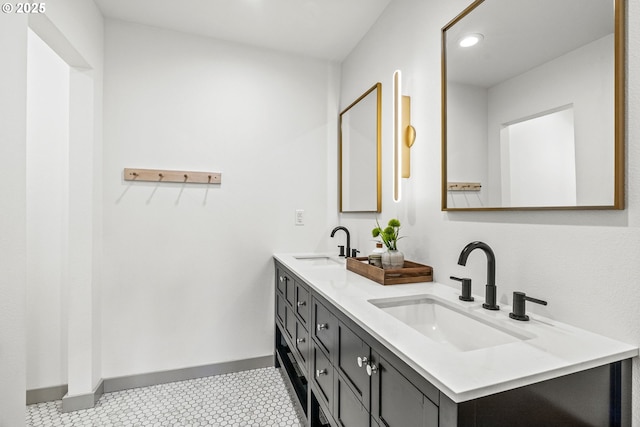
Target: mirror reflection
{"points": [[360, 153], [532, 111]]}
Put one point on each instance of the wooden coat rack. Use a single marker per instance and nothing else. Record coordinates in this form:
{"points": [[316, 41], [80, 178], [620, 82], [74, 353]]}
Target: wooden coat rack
{"points": [[161, 175]]}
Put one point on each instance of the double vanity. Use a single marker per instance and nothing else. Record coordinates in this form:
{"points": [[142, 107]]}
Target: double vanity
{"points": [[357, 353]]}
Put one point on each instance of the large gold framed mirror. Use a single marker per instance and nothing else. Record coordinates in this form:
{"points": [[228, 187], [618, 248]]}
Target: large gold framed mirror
{"points": [[533, 113], [360, 153]]}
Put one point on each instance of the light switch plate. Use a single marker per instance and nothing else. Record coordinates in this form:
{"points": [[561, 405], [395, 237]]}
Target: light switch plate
{"points": [[299, 217]]}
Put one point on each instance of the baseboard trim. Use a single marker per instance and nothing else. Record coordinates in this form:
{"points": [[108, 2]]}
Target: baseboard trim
{"points": [[46, 394], [108, 385], [163, 377], [82, 401]]}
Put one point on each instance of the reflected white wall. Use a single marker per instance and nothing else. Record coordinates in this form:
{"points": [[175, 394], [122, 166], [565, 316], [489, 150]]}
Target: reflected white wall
{"points": [[47, 214], [538, 159], [573, 79]]}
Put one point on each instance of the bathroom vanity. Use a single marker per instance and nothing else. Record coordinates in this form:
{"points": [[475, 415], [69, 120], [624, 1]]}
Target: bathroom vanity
{"points": [[354, 355]]}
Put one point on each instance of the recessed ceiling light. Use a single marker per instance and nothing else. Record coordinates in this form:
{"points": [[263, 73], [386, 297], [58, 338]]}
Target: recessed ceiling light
{"points": [[469, 40]]}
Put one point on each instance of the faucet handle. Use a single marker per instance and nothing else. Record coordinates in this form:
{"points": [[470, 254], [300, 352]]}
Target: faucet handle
{"points": [[466, 288], [341, 247], [519, 299], [354, 253]]}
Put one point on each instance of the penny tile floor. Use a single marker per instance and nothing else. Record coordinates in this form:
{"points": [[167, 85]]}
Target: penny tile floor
{"points": [[256, 398]]}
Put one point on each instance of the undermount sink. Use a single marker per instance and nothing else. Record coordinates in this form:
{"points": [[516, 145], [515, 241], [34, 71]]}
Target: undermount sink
{"points": [[455, 327], [319, 260]]}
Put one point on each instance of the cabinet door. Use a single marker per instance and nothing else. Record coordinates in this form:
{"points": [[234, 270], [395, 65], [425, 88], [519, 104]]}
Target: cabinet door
{"points": [[302, 303], [348, 410], [322, 373], [324, 328], [352, 357], [395, 402]]}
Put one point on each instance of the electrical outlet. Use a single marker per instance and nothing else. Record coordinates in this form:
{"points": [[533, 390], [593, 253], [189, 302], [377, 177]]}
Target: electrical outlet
{"points": [[299, 217]]}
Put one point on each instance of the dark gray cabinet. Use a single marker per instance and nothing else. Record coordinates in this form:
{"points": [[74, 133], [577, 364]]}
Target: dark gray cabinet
{"points": [[348, 409], [292, 340], [343, 377], [302, 343], [352, 358], [325, 327], [283, 277], [347, 381], [290, 323], [322, 371], [290, 291], [396, 402], [281, 309], [302, 302]]}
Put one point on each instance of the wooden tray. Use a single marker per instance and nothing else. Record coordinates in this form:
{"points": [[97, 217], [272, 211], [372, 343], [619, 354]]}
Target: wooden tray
{"points": [[412, 272]]}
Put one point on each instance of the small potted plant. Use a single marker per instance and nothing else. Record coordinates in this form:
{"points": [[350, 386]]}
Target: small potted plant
{"points": [[390, 235]]}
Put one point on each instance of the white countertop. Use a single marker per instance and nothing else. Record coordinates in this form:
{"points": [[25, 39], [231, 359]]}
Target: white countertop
{"points": [[555, 349]]}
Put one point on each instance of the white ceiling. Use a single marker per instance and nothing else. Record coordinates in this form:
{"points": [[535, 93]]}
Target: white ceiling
{"points": [[521, 35], [327, 29]]}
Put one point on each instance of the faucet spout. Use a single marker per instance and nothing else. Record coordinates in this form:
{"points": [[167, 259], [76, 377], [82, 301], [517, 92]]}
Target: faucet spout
{"points": [[333, 232], [490, 298]]}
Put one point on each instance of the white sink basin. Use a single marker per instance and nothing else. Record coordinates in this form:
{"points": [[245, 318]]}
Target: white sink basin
{"points": [[455, 327], [319, 260]]}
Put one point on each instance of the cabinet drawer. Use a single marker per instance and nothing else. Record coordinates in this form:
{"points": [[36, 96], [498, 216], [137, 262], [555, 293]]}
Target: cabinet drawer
{"points": [[281, 309], [302, 303], [282, 277], [324, 328], [302, 344], [322, 373], [348, 410], [351, 360]]}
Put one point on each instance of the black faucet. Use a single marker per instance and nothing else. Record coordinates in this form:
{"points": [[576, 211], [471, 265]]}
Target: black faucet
{"points": [[348, 239], [490, 297]]}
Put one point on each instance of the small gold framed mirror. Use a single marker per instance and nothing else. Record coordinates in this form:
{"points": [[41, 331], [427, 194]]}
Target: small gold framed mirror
{"points": [[360, 153]]}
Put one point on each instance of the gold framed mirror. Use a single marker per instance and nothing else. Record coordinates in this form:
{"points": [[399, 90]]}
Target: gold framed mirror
{"points": [[533, 115], [360, 153]]}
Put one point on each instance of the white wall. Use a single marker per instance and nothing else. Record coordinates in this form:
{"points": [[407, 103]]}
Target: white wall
{"points": [[13, 86], [584, 263], [188, 272], [76, 29], [47, 214]]}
